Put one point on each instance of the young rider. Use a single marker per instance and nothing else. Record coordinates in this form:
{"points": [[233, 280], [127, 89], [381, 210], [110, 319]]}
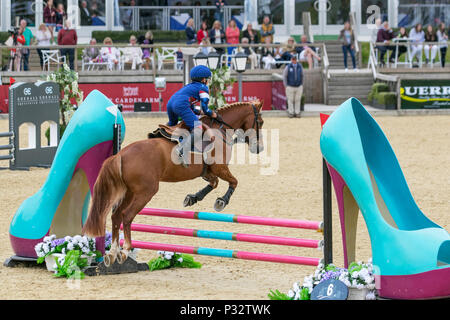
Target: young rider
{"points": [[181, 105]]}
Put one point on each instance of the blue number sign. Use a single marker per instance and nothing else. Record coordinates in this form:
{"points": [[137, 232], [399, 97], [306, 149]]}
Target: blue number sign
{"points": [[330, 290]]}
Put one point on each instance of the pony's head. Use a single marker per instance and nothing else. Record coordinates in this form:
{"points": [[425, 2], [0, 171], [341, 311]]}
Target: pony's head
{"points": [[252, 127]]}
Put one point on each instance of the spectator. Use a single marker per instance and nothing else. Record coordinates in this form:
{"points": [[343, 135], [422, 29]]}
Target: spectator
{"points": [[293, 82], [61, 15], [373, 37], [385, 35], [251, 34], [442, 37], [28, 35], [128, 15], [202, 32], [110, 54], [146, 52], [91, 54], [417, 37], [206, 46], [268, 55], [402, 37], [43, 37], [252, 56], [68, 36], [180, 59], [232, 33], [267, 30], [347, 38], [50, 16], [288, 50], [15, 61], [430, 36], [85, 14], [190, 32], [220, 8], [307, 52], [217, 36], [133, 54]]}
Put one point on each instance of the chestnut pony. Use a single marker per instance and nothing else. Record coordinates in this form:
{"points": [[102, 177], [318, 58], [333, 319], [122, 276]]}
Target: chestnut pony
{"points": [[128, 180]]}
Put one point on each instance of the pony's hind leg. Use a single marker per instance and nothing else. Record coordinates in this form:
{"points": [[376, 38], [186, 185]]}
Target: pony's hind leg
{"points": [[192, 199], [116, 219], [137, 203]]}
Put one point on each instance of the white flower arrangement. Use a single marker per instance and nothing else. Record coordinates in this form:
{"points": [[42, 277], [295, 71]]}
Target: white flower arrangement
{"points": [[358, 276], [220, 80], [68, 83], [51, 245]]}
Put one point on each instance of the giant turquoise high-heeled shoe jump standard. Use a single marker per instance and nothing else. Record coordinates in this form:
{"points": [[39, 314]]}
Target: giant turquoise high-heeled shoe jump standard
{"points": [[411, 253], [60, 206]]}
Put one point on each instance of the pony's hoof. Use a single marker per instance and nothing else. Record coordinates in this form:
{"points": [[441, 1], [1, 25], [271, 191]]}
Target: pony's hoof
{"points": [[108, 260], [121, 257], [190, 200], [220, 204]]}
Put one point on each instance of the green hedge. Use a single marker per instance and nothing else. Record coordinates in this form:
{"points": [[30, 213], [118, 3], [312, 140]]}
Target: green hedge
{"points": [[387, 98], [377, 88], [124, 36]]}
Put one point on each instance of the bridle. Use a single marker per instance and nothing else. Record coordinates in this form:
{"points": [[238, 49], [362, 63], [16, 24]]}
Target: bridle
{"points": [[256, 122]]}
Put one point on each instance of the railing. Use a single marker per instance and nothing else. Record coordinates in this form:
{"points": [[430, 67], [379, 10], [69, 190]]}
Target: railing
{"points": [[155, 47], [142, 17]]}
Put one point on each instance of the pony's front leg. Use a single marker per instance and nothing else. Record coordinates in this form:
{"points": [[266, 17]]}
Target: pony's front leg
{"points": [[192, 199], [224, 173]]}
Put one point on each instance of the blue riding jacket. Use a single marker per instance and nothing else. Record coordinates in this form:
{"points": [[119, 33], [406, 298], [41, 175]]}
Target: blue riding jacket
{"points": [[182, 103]]}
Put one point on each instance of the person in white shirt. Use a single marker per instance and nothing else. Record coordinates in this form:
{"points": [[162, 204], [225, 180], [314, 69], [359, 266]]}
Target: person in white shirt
{"points": [[417, 36], [133, 54], [110, 54], [43, 37]]}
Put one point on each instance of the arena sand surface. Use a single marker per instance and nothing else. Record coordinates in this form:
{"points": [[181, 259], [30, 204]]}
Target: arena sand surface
{"points": [[422, 145]]}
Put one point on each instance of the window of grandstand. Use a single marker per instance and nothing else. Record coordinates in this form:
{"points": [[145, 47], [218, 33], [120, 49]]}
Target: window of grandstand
{"points": [[23, 9], [337, 11], [92, 12], [272, 8], [411, 12], [373, 9], [303, 6]]}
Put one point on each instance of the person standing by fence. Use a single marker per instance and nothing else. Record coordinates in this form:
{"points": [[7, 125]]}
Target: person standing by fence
{"points": [[232, 33], [28, 35], [293, 82], [267, 30], [347, 38], [442, 37], [68, 37]]}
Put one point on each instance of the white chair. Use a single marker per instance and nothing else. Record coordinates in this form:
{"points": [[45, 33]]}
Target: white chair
{"points": [[166, 56], [52, 56]]}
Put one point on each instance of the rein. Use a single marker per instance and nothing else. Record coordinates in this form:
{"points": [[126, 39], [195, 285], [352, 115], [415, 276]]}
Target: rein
{"points": [[222, 123]]}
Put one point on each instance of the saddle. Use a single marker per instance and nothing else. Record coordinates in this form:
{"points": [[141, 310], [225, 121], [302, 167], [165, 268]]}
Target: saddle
{"points": [[170, 133]]}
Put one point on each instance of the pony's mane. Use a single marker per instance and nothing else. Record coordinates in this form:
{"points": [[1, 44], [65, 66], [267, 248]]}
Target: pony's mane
{"points": [[237, 105]]}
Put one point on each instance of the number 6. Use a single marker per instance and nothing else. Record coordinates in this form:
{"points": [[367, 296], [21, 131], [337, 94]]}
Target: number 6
{"points": [[330, 290]]}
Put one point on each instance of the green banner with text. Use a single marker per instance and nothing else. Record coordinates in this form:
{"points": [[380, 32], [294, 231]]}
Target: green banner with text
{"points": [[425, 94]]}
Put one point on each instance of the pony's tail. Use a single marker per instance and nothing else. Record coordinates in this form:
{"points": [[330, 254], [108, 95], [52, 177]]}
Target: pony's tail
{"points": [[109, 190]]}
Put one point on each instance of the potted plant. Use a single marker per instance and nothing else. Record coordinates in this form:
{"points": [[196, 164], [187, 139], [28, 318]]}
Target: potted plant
{"points": [[358, 278]]}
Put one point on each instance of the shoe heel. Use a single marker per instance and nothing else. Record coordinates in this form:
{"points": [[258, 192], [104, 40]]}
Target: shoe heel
{"points": [[348, 215]]}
